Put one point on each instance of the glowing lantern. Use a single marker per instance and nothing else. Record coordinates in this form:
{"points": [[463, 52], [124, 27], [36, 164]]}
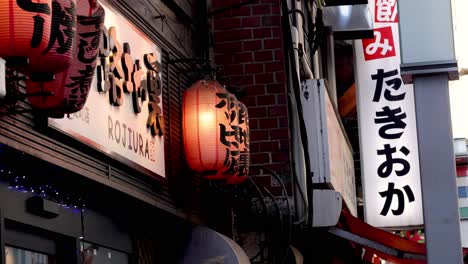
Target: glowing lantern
{"points": [[58, 55], [207, 111], [24, 29], [70, 87], [243, 159], [229, 137]]}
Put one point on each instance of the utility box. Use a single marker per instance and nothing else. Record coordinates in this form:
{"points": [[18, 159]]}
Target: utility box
{"points": [[331, 154]]}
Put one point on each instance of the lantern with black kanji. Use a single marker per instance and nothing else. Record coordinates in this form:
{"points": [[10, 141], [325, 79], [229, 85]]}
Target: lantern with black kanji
{"points": [[70, 88], [229, 137], [25, 28], [243, 138], [58, 55], [206, 115]]}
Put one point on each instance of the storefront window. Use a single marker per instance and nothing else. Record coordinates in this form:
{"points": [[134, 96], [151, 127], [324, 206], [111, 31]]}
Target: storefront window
{"points": [[21, 256], [93, 254]]}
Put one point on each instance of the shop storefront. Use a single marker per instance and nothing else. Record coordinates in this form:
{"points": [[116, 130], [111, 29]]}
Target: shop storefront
{"points": [[105, 184]]}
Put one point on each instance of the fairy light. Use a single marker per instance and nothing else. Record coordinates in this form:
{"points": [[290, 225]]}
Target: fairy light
{"points": [[23, 184]]}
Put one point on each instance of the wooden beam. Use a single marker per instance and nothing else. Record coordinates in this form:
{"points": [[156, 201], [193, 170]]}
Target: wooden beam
{"points": [[347, 102]]}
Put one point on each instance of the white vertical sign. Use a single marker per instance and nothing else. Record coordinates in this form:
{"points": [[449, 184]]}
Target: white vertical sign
{"points": [[387, 126]]}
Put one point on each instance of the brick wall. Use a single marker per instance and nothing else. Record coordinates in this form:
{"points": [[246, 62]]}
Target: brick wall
{"points": [[248, 46]]}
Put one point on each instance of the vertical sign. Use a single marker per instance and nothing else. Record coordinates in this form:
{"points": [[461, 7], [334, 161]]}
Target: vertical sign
{"points": [[388, 135]]}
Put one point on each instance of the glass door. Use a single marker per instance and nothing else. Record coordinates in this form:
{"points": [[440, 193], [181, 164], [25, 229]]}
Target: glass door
{"points": [[16, 255], [94, 254]]}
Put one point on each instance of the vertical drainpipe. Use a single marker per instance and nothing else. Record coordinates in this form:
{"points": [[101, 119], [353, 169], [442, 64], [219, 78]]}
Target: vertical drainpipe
{"points": [[301, 162], [331, 75], [315, 58], [297, 146], [209, 48]]}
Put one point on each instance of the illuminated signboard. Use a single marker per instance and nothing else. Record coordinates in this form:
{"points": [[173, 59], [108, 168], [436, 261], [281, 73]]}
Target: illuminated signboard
{"points": [[123, 114], [387, 126]]}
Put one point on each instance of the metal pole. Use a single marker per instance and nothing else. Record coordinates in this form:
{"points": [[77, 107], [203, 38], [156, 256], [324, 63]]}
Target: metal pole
{"points": [[438, 175], [2, 238], [331, 74]]}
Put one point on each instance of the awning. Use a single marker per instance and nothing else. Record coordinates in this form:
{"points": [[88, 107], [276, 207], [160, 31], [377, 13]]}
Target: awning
{"points": [[376, 241]]}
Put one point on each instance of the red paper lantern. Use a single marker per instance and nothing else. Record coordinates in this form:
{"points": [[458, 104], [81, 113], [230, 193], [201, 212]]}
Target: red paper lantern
{"points": [[70, 88], [58, 55], [206, 117], [243, 159], [25, 27], [229, 136]]}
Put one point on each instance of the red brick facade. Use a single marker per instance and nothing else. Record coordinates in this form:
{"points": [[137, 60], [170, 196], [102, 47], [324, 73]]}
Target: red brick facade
{"points": [[249, 47]]}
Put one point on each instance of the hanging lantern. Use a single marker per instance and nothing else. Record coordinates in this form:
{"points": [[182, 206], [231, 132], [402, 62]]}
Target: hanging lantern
{"points": [[229, 136], [25, 27], [243, 139], [70, 88], [206, 116], [58, 55]]}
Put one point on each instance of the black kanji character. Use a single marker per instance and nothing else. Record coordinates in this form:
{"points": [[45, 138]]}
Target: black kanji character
{"points": [[103, 72], [128, 67], [154, 89], [60, 18], [388, 195], [84, 45], [225, 104], [139, 92], [392, 116], [242, 116], [243, 136], [115, 90], [231, 162], [244, 162], [155, 121], [40, 8], [394, 83], [79, 86], [224, 135], [386, 168], [232, 108], [84, 79]]}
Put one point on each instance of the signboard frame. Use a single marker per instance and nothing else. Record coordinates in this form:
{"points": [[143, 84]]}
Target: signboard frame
{"points": [[387, 126], [55, 128]]}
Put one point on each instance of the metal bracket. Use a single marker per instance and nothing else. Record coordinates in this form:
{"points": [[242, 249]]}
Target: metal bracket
{"points": [[189, 60], [223, 9], [374, 245], [15, 91], [162, 17]]}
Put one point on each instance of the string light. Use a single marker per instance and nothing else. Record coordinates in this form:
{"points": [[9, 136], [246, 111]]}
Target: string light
{"points": [[24, 184]]}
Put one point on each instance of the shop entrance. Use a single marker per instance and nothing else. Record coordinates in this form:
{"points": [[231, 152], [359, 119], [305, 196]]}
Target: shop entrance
{"points": [[94, 254], [16, 255], [29, 245]]}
